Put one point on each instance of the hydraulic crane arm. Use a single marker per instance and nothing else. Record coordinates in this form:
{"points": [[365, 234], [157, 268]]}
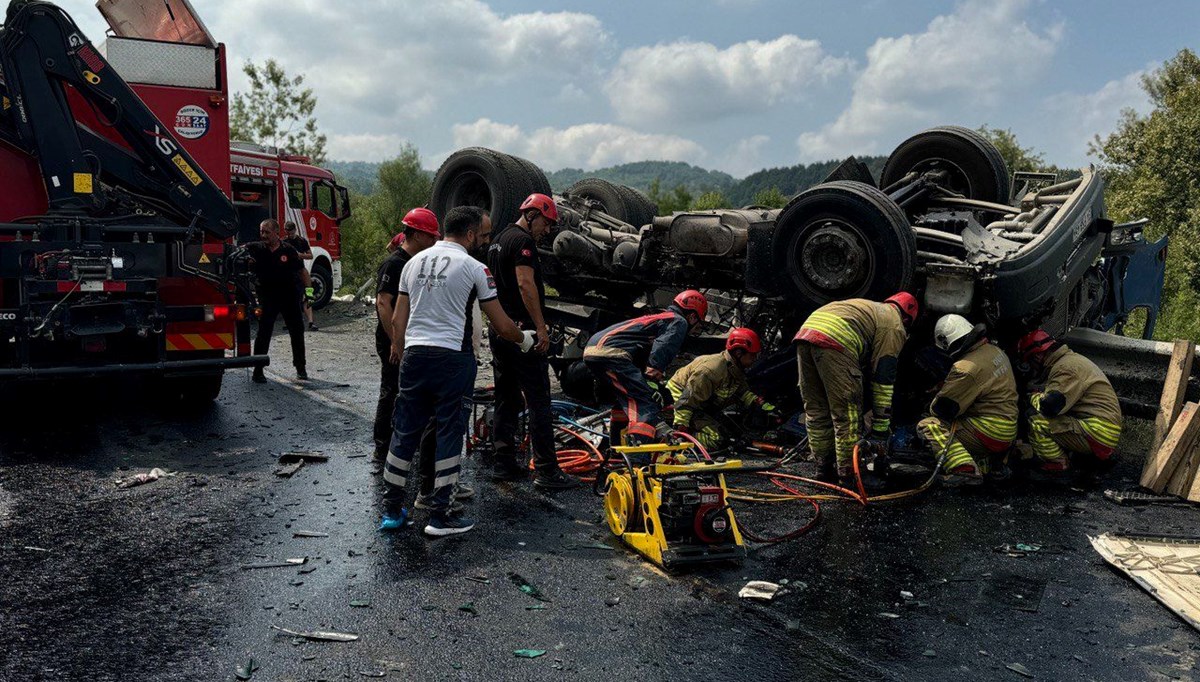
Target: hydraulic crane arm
{"points": [[42, 52]]}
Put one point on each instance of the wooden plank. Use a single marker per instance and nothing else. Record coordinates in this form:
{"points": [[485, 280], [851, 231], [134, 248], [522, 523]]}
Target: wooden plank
{"points": [[1163, 462], [1193, 495], [1180, 483], [1174, 387]]}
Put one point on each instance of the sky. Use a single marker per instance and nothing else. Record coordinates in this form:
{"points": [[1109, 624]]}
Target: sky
{"points": [[735, 85]]}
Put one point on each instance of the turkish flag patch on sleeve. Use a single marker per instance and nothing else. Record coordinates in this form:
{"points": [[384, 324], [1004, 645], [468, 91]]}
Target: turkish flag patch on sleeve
{"points": [[527, 253]]}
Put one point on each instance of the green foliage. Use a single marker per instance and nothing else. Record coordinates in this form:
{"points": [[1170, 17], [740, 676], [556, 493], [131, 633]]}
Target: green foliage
{"points": [[770, 197], [791, 180], [1017, 158], [709, 201], [1151, 166], [640, 174], [277, 111], [678, 199], [401, 185]]}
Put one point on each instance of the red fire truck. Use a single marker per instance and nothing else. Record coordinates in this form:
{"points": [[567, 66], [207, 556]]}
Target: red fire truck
{"points": [[118, 236]]}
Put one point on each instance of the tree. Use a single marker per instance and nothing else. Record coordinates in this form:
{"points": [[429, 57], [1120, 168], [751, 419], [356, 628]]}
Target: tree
{"points": [[1017, 158], [402, 185], [278, 111], [1150, 165], [709, 201], [770, 197], [678, 199]]}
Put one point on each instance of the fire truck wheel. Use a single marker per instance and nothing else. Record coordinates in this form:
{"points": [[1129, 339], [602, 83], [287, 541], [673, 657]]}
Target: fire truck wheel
{"points": [[971, 164], [322, 281], [841, 240]]}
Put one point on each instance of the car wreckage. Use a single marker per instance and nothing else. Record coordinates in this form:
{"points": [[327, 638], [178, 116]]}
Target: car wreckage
{"points": [[945, 220]]}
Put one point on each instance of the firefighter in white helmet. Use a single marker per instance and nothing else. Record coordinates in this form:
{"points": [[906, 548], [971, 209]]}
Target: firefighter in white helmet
{"points": [[974, 414]]}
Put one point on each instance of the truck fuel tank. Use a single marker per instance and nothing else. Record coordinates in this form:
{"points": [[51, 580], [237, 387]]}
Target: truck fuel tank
{"points": [[711, 233]]}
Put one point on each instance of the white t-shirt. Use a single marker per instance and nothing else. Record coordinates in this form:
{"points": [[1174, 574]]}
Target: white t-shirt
{"points": [[443, 284]]}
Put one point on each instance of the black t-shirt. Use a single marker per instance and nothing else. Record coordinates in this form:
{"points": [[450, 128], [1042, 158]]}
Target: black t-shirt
{"points": [[515, 246], [278, 271], [300, 244], [387, 281]]}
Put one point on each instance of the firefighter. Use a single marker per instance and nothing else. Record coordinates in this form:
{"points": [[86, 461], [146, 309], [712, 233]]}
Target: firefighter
{"points": [[278, 268], [523, 379], [974, 414], [421, 231], [302, 247], [835, 342], [1076, 412], [711, 383], [620, 355]]}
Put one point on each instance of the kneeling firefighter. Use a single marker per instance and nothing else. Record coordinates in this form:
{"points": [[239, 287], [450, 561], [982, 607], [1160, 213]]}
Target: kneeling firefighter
{"points": [[974, 418], [619, 356], [1076, 412], [711, 383], [835, 342]]}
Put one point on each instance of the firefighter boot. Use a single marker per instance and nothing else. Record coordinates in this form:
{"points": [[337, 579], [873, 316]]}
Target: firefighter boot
{"points": [[826, 471], [963, 475]]}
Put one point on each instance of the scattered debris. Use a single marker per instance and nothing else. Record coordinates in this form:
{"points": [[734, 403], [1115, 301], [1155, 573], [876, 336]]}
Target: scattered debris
{"points": [[536, 607], [612, 601], [311, 457], [1138, 497], [527, 587], [31, 548], [479, 579], [143, 478], [761, 589], [308, 534], [886, 614], [469, 607], [589, 545], [246, 670], [360, 603], [289, 470], [234, 451], [276, 564], [1166, 566], [1019, 669], [373, 673], [1018, 549], [528, 653], [929, 653], [319, 635], [637, 581]]}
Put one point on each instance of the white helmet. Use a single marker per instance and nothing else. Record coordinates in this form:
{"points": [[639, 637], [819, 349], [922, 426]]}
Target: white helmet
{"points": [[951, 329]]}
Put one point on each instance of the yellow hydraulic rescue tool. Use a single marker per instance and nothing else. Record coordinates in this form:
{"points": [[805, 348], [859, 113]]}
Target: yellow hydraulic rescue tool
{"points": [[673, 510]]}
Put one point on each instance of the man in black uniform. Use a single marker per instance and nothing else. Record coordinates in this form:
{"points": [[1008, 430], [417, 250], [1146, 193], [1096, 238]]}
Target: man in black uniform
{"points": [[420, 233], [302, 247], [513, 260], [278, 267]]}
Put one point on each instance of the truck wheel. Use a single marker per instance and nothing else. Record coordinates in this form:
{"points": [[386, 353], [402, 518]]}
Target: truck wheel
{"points": [[488, 179], [842, 240], [641, 209], [192, 393], [322, 282], [974, 167], [609, 196]]}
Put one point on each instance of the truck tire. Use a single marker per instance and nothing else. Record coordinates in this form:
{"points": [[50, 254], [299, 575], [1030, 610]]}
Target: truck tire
{"points": [[841, 240], [609, 196], [191, 393], [975, 167], [322, 281], [641, 209], [535, 179], [480, 177]]}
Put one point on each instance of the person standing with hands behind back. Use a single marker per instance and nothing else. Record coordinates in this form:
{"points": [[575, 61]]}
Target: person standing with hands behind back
{"points": [[432, 337], [523, 379], [278, 267]]}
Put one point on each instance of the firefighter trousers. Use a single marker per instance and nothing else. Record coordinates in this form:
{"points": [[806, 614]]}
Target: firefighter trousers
{"points": [[971, 440], [438, 383], [635, 404], [1053, 438], [274, 305], [831, 383], [523, 382]]}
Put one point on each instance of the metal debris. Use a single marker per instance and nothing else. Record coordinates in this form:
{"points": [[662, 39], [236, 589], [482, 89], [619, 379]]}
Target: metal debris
{"points": [[761, 590], [143, 478], [246, 670], [1019, 669], [308, 534], [289, 457], [319, 635], [276, 564]]}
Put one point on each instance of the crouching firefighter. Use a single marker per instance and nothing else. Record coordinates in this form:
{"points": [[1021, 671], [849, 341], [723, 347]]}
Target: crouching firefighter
{"points": [[1076, 412], [618, 354], [974, 420], [710, 383], [835, 342]]}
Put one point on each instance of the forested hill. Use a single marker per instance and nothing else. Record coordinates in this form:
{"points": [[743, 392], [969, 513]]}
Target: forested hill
{"points": [[670, 174], [790, 180]]}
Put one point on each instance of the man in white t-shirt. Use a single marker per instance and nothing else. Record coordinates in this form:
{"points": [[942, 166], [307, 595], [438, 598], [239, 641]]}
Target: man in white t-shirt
{"points": [[433, 330]]}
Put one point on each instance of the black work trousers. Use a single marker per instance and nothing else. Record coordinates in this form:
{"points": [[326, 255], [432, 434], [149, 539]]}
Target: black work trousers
{"points": [[523, 381], [389, 388], [274, 305]]}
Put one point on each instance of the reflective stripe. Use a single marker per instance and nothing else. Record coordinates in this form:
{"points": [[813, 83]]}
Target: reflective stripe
{"points": [[1102, 431], [996, 428], [847, 438], [956, 453], [881, 399], [631, 404], [443, 464], [835, 328], [1039, 437], [394, 461], [443, 481], [820, 442], [397, 479]]}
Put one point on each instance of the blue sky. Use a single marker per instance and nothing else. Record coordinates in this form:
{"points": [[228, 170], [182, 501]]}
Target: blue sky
{"points": [[731, 84]]}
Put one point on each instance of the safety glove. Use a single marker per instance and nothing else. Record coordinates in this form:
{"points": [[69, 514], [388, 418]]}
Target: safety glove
{"points": [[310, 294], [530, 338]]}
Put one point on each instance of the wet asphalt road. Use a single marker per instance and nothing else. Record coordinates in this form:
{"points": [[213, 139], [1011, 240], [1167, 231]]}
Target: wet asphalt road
{"points": [[147, 583]]}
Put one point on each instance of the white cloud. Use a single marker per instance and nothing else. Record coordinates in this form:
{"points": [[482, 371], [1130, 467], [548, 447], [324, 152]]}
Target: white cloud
{"points": [[973, 59], [588, 146], [365, 146], [745, 156], [693, 81], [1080, 116]]}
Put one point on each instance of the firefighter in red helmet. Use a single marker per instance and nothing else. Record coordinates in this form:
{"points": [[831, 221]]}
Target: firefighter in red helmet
{"points": [[708, 385], [835, 344], [624, 355]]}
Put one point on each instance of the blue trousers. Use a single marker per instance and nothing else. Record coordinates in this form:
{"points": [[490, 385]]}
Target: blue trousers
{"points": [[434, 383]]}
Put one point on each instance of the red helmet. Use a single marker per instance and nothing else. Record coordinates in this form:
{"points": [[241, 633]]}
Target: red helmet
{"points": [[1034, 343], [422, 220], [743, 338], [694, 301], [906, 303], [542, 204]]}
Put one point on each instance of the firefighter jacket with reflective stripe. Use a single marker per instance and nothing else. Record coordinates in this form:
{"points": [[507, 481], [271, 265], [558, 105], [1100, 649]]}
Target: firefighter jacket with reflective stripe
{"points": [[646, 341], [871, 332], [1086, 392], [710, 382], [981, 384]]}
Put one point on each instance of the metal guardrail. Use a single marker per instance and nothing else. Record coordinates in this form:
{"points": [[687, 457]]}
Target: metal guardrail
{"points": [[1136, 368]]}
